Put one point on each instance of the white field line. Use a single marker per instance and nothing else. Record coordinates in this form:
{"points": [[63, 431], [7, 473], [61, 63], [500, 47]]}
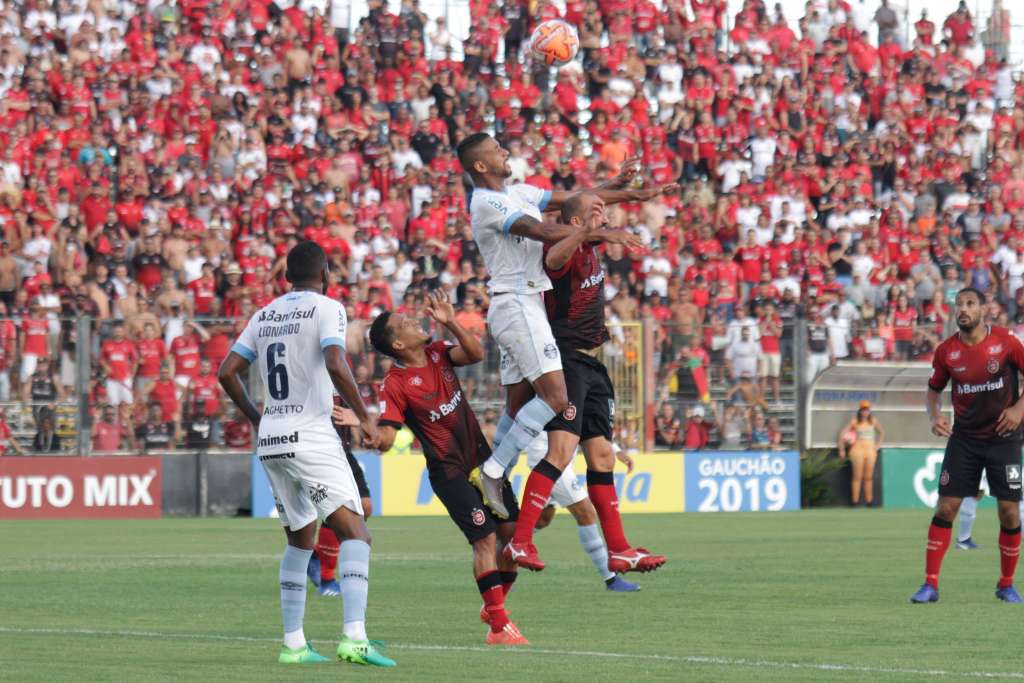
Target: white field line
{"points": [[681, 659]]}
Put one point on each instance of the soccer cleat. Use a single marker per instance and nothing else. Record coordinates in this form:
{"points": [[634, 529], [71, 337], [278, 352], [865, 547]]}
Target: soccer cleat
{"points": [[330, 589], [362, 652], [313, 569], [634, 560], [491, 491], [927, 593], [301, 655], [509, 635], [967, 544], [1009, 594], [620, 585], [523, 554]]}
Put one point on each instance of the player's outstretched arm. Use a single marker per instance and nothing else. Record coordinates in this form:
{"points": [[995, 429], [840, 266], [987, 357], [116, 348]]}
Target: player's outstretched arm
{"points": [[542, 231], [229, 376], [630, 169], [345, 385], [468, 349]]}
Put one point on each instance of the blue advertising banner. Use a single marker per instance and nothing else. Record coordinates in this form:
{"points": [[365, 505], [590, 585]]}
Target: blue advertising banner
{"points": [[747, 481], [263, 497]]}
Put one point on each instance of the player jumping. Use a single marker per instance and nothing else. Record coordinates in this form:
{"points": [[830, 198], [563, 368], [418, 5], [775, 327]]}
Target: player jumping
{"points": [[509, 229], [984, 363], [422, 391], [298, 344]]}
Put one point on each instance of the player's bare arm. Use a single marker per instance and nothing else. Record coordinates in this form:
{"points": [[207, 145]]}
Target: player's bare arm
{"points": [[229, 375], [940, 425], [562, 251], [345, 384], [541, 231], [468, 349], [1010, 419]]}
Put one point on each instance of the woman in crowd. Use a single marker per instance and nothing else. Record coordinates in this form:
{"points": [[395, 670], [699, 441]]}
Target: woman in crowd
{"points": [[861, 440]]}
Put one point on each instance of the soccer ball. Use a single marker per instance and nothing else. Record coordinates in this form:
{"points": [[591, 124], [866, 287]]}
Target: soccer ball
{"points": [[555, 42]]}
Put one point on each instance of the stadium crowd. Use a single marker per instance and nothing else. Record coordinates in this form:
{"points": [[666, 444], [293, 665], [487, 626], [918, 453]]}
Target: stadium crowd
{"points": [[157, 159]]}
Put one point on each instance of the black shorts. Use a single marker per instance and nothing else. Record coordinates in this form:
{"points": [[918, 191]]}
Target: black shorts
{"points": [[591, 395], [466, 507], [966, 458], [357, 472]]}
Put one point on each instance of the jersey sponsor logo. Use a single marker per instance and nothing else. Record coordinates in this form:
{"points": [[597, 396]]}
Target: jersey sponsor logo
{"points": [[593, 280], [382, 406], [278, 440], [611, 408], [278, 456], [506, 360], [953, 355], [944, 477], [962, 368], [551, 351], [995, 348], [991, 385], [416, 381], [434, 358], [993, 366], [477, 515], [499, 206], [569, 414], [275, 317], [1013, 476], [446, 409]]}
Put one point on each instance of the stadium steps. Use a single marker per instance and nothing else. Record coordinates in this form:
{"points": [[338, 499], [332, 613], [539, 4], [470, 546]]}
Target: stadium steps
{"points": [[784, 410]]}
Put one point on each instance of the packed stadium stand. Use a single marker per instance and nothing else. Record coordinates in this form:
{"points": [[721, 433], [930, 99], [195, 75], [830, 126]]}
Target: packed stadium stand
{"points": [[844, 170]]}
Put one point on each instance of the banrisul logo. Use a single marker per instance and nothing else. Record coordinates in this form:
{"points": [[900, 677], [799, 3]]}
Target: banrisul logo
{"points": [[275, 317]]}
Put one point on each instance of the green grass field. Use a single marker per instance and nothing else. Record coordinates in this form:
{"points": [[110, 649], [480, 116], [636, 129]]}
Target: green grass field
{"points": [[811, 596]]}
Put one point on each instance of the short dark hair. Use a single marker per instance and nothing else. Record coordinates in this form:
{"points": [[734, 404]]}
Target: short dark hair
{"points": [[467, 148], [573, 206], [972, 290], [381, 336], [306, 261]]}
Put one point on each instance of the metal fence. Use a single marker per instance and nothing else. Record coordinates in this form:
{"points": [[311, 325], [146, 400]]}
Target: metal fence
{"points": [[146, 384]]}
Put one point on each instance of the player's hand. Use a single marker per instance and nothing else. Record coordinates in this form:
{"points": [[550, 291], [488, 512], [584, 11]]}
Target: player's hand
{"points": [[623, 237], [439, 307], [343, 417], [940, 426], [624, 457], [368, 429], [1009, 420], [630, 170]]}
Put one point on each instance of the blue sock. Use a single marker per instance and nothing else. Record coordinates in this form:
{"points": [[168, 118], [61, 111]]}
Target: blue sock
{"points": [[968, 513], [354, 573], [528, 424], [504, 424], [292, 576], [593, 545]]}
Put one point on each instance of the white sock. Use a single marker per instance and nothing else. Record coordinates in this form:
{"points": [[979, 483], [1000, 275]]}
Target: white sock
{"points": [[292, 577], [528, 424], [354, 578], [968, 513], [593, 545]]}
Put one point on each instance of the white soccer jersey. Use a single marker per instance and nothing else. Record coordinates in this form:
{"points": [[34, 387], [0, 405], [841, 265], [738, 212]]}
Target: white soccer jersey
{"points": [[515, 263], [286, 339]]}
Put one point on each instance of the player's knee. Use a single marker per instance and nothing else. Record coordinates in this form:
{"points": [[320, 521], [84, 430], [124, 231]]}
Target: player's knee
{"points": [[584, 513], [947, 508]]}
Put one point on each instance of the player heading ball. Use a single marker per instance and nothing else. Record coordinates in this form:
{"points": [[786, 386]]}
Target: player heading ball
{"points": [[984, 363]]}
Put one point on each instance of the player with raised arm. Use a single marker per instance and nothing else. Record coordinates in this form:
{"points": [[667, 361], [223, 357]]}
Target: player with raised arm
{"points": [[422, 391], [510, 231], [984, 364], [298, 344]]}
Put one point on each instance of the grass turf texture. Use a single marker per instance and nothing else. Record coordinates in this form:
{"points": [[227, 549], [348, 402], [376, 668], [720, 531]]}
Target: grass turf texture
{"points": [[744, 597]]}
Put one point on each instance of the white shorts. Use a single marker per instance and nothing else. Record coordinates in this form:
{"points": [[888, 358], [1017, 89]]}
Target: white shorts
{"points": [[119, 392], [519, 323], [567, 490], [771, 365], [29, 361], [310, 484]]}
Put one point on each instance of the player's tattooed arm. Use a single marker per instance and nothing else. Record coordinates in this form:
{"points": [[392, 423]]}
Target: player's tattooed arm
{"points": [[468, 349], [541, 231], [229, 376]]}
